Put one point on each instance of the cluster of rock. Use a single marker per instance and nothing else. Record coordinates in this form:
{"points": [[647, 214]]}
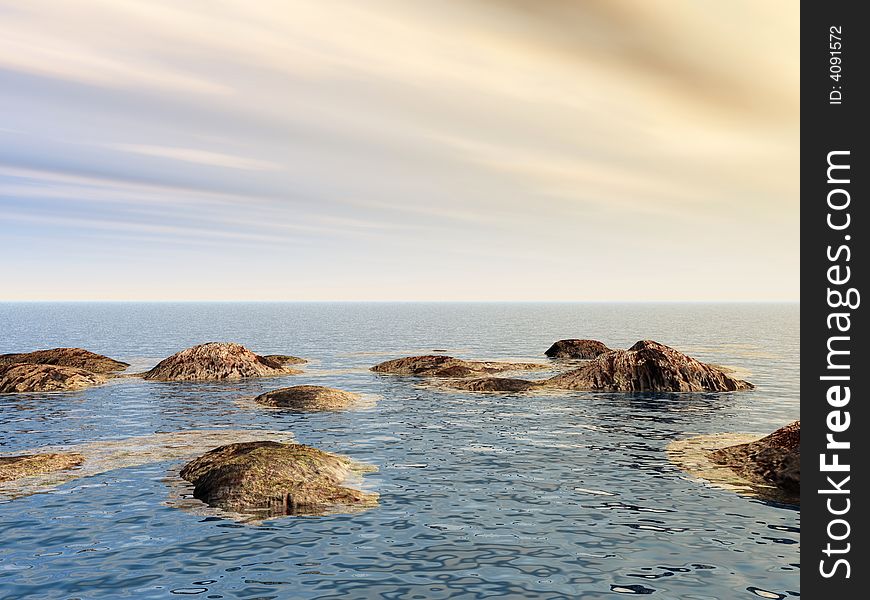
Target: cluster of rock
{"points": [[70, 369], [273, 478], [645, 367], [773, 460]]}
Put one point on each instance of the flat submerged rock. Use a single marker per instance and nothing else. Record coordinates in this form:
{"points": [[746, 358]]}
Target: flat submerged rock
{"points": [[438, 365], [101, 456], [28, 465]]}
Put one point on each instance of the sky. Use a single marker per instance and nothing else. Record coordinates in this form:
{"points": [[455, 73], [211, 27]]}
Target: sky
{"points": [[482, 150]]}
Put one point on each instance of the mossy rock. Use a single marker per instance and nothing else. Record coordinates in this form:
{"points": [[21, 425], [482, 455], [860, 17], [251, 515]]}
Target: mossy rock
{"points": [[308, 398], [272, 478]]}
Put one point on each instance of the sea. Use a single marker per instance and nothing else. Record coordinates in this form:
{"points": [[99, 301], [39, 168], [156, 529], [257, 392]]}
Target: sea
{"points": [[499, 495]]}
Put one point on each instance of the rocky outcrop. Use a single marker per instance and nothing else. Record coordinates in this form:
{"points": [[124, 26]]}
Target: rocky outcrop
{"points": [[283, 360], [583, 349], [494, 384], [272, 478], [647, 367], [308, 398], [214, 361], [25, 377], [67, 357], [773, 460], [447, 366], [26, 465]]}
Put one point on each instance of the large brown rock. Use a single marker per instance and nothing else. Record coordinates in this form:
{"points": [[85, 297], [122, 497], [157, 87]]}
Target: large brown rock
{"points": [[25, 377], [647, 367], [274, 479], [216, 360], [308, 398], [67, 357], [583, 349], [447, 366], [26, 465], [773, 460]]}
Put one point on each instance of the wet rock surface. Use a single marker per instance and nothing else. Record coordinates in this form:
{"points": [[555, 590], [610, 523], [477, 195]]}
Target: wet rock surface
{"points": [[273, 478], [28, 465], [67, 357], [774, 459], [216, 361], [578, 349], [19, 378], [306, 398]]}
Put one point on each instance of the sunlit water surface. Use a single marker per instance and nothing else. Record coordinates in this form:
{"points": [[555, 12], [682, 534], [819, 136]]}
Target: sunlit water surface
{"points": [[567, 496]]}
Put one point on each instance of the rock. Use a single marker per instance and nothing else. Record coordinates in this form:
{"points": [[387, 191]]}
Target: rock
{"points": [[772, 460], [25, 465], [447, 366], [647, 367], [67, 357], [216, 360], [305, 398], [273, 478], [282, 360], [25, 377], [494, 384], [577, 349]]}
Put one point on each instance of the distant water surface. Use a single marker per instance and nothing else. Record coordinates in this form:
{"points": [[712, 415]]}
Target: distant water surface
{"points": [[568, 496]]}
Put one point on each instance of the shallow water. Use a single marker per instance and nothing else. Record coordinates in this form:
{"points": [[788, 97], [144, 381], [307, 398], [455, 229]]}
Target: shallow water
{"points": [[492, 495]]}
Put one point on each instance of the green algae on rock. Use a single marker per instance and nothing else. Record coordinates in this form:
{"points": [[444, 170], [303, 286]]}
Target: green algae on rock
{"points": [[272, 478], [78, 358], [216, 361], [28, 465], [308, 398], [18, 378]]}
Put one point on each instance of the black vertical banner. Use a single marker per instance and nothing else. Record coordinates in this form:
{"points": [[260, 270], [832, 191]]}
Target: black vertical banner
{"points": [[834, 264]]}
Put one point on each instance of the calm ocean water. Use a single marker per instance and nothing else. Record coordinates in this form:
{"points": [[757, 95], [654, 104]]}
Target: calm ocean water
{"points": [[509, 495]]}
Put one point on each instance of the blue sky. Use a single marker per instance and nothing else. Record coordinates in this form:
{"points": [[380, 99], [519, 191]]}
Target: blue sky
{"points": [[475, 150]]}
